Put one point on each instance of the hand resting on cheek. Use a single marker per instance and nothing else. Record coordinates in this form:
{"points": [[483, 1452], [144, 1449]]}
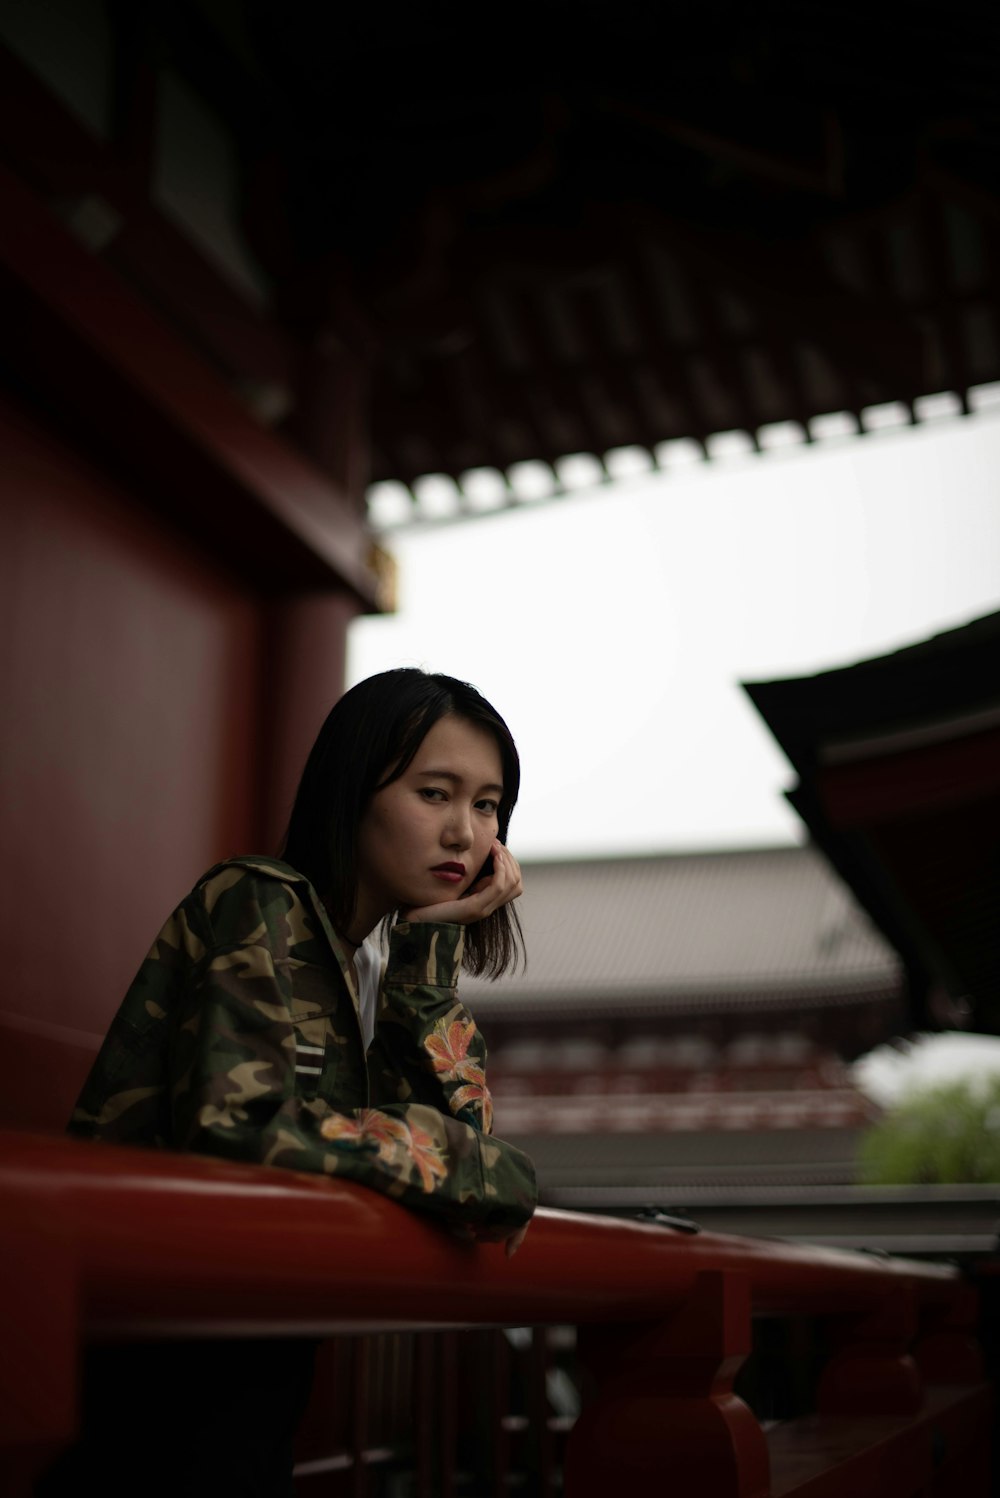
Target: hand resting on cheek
{"points": [[487, 894]]}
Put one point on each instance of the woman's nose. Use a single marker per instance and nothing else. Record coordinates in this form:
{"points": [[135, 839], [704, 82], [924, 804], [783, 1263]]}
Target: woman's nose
{"points": [[458, 833]]}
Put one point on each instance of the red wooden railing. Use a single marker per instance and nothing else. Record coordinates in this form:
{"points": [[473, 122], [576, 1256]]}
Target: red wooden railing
{"points": [[105, 1243]]}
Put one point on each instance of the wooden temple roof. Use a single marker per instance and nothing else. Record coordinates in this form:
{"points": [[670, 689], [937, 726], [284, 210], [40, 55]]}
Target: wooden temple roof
{"points": [[898, 764], [600, 227], [553, 230]]}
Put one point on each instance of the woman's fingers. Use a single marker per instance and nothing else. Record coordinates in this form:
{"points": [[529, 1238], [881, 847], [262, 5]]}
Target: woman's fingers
{"points": [[515, 1240], [500, 887], [504, 860], [482, 898], [511, 1238]]}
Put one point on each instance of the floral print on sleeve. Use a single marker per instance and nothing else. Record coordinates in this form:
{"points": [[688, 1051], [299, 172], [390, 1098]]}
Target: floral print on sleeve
{"points": [[448, 1046], [427, 1047], [402, 1145]]}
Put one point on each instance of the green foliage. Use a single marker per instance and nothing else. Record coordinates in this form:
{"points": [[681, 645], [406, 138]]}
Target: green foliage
{"points": [[940, 1135]]}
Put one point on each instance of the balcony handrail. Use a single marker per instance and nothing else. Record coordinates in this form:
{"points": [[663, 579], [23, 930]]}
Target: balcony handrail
{"points": [[101, 1242], [164, 1244]]}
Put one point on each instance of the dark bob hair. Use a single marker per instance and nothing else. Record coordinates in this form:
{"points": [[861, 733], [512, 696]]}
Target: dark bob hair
{"points": [[367, 742]]}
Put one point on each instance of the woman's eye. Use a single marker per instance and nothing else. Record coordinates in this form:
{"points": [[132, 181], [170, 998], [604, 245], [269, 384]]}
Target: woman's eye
{"points": [[431, 793], [491, 807]]}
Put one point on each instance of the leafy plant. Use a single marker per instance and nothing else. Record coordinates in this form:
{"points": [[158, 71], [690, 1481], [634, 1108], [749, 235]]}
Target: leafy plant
{"points": [[940, 1135]]}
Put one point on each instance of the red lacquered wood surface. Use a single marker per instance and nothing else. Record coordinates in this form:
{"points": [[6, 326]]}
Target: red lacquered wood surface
{"points": [[135, 692], [98, 1242], [188, 1244]]}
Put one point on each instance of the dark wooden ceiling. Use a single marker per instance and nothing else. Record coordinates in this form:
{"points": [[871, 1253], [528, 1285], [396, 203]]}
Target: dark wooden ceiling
{"points": [[573, 228], [547, 229]]}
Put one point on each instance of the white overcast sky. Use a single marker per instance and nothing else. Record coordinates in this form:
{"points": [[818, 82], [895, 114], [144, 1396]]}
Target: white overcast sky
{"points": [[612, 628]]}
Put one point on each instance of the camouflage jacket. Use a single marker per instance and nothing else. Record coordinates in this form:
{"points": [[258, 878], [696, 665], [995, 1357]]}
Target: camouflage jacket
{"points": [[241, 1037]]}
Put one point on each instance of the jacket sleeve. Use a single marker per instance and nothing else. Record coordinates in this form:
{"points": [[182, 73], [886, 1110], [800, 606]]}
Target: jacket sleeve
{"points": [[427, 1048], [238, 1089]]}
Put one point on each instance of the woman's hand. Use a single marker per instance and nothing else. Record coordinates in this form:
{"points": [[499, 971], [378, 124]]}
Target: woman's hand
{"points": [[511, 1238], [480, 899]]}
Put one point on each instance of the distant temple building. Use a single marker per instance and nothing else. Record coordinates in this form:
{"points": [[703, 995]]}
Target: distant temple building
{"points": [[685, 1023]]}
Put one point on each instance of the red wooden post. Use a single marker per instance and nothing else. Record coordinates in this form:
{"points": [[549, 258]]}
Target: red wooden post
{"points": [[539, 1408], [447, 1396], [872, 1371], [500, 1408], [665, 1413], [360, 1360], [947, 1351], [423, 1404], [39, 1394]]}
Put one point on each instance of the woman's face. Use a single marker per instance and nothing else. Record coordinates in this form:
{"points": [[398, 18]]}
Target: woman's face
{"points": [[423, 838]]}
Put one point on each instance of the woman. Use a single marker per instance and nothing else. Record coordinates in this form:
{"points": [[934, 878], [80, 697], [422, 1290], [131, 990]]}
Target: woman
{"points": [[257, 1029]]}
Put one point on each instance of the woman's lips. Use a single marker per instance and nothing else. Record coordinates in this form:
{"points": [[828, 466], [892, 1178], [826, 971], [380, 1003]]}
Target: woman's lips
{"points": [[451, 873]]}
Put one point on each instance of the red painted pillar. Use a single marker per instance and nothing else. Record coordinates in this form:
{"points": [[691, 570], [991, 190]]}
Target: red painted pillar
{"points": [[304, 676], [308, 631]]}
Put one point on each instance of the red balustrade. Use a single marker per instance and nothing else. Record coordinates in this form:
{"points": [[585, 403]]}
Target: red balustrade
{"points": [[105, 1243]]}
